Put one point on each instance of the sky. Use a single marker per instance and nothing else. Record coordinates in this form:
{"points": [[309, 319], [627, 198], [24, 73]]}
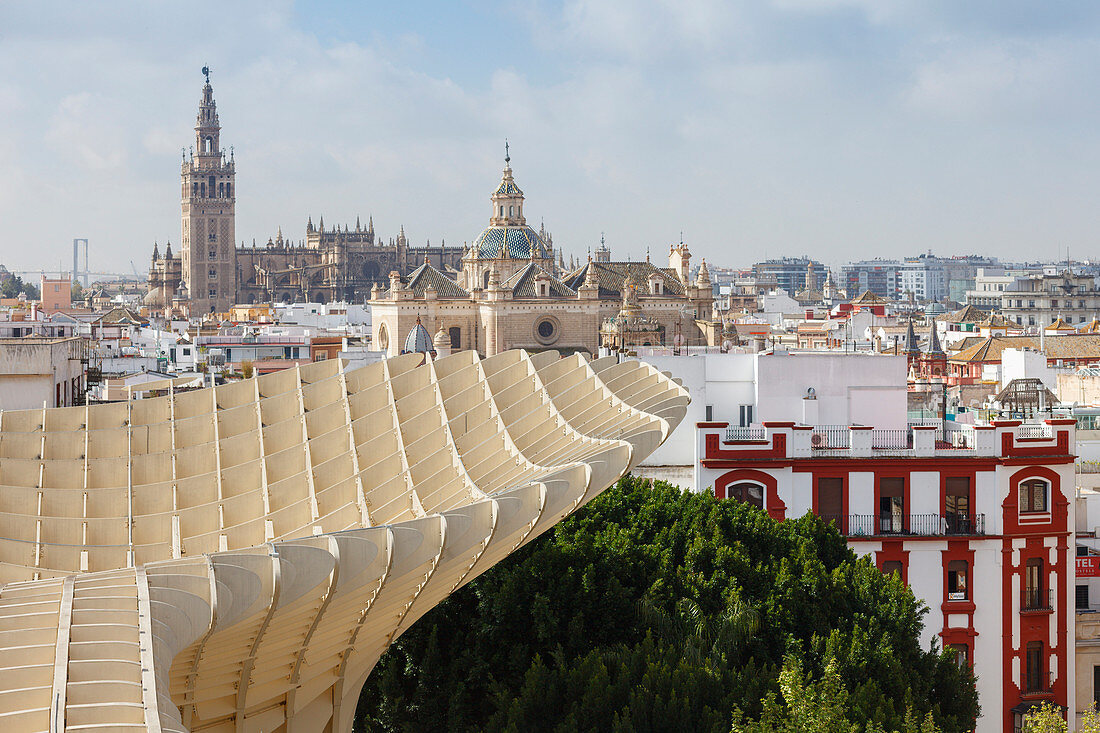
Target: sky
{"points": [[839, 129]]}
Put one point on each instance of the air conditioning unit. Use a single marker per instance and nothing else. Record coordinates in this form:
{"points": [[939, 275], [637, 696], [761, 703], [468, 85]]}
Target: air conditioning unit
{"points": [[817, 440]]}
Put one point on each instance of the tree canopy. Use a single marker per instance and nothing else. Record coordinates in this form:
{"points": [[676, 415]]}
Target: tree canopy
{"points": [[654, 609], [13, 285]]}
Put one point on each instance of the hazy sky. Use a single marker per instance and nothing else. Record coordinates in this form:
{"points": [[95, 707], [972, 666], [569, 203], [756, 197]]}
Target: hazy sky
{"points": [[842, 129]]}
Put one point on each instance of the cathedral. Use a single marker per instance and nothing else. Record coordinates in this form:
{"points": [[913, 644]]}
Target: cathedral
{"points": [[211, 274], [510, 295]]}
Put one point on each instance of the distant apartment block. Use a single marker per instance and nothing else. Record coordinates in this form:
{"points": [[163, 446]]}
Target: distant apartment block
{"points": [[877, 276], [1040, 300], [790, 272]]}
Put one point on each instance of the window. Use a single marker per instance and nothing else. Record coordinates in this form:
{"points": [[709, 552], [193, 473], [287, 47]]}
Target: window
{"points": [[956, 580], [1096, 685], [957, 505], [1035, 679], [511, 210], [745, 415], [710, 413], [830, 501], [212, 273], [889, 567], [891, 505], [455, 334], [212, 254], [748, 493], [1031, 320], [1031, 304], [962, 654], [1035, 598], [213, 293], [1053, 302], [1081, 597], [320, 356], [1033, 496]]}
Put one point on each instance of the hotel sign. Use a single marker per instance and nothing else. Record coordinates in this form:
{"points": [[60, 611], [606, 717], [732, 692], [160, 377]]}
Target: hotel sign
{"points": [[1088, 567]]}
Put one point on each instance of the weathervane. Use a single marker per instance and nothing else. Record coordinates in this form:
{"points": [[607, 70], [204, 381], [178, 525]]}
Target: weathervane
{"points": [[206, 73], [507, 156]]}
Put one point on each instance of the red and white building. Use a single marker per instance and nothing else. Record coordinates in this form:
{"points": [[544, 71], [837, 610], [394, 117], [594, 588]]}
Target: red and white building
{"points": [[978, 521]]}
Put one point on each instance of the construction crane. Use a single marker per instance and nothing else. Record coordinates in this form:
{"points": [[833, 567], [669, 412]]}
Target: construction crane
{"points": [[134, 268]]}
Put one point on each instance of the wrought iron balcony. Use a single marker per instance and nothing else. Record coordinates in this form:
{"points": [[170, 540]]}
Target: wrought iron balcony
{"points": [[916, 525], [1036, 599]]}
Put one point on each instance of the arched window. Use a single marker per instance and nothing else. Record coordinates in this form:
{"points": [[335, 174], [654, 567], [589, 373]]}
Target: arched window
{"points": [[1033, 496], [383, 338], [511, 211], [502, 211], [747, 492]]}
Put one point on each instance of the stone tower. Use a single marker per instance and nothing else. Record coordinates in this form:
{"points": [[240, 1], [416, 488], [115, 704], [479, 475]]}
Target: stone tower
{"points": [[209, 255]]}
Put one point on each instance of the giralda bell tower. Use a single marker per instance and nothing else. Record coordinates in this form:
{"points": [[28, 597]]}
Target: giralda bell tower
{"points": [[208, 232]]}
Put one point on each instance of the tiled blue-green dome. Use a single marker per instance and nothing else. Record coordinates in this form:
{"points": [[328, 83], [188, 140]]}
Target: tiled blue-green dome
{"points": [[521, 242], [418, 341]]}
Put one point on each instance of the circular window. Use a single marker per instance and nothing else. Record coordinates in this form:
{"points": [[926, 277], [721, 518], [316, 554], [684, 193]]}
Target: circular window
{"points": [[546, 330]]}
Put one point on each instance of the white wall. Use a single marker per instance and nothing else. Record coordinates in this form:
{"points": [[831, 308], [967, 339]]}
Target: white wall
{"points": [[857, 388], [724, 381], [850, 388], [1024, 364]]}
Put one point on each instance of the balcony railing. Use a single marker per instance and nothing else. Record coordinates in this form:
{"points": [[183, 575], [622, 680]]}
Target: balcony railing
{"points": [[831, 437], [918, 525], [740, 435], [1036, 599]]}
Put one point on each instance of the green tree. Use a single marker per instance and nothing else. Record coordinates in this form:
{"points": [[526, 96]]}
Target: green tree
{"points": [[655, 609], [817, 707], [1048, 719], [13, 285], [77, 292]]}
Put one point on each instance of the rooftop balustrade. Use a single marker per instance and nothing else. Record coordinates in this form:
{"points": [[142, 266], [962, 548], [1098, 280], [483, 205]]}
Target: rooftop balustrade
{"points": [[925, 438]]}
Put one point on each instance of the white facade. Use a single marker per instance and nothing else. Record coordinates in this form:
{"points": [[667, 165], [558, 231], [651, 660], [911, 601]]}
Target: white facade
{"points": [[750, 389], [37, 372], [954, 518], [923, 277]]}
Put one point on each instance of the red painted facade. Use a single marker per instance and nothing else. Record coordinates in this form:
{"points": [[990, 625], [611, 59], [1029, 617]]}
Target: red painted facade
{"points": [[997, 576]]}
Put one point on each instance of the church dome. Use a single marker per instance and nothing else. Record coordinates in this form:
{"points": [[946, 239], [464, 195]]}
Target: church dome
{"points": [[520, 242], [418, 341]]}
